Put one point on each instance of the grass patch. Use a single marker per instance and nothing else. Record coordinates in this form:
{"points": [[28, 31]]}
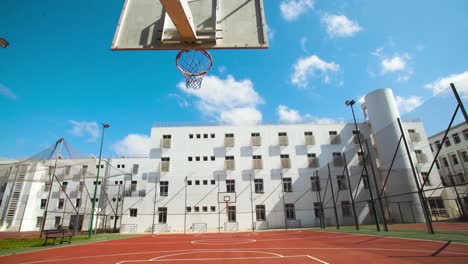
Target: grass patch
{"points": [[459, 236], [16, 245]]}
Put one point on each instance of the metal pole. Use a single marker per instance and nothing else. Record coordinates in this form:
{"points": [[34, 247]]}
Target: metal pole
{"points": [[460, 103], [155, 202], [430, 229], [185, 207], [59, 143], [374, 208], [356, 222], [333, 197], [459, 200], [379, 197], [104, 126], [117, 208], [284, 208], [251, 204], [321, 212], [401, 214], [219, 210]]}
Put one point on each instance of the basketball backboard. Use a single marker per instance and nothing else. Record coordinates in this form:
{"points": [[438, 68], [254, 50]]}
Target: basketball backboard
{"points": [[218, 24]]}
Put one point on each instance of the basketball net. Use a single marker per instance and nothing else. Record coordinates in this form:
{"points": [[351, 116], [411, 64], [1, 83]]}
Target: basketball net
{"points": [[194, 65]]}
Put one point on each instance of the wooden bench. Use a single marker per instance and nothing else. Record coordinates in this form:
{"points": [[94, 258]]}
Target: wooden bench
{"points": [[57, 233]]}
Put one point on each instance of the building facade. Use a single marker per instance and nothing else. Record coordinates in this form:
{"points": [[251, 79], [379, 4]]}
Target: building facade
{"points": [[232, 178]]}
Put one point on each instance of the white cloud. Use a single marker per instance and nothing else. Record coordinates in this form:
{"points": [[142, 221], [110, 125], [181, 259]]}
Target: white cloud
{"points": [[288, 115], [304, 45], [361, 99], [7, 92], [291, 116], [133, 145], [227, 100], [182, 102], [309, 66], [292, 9], [460, 81], [270, 32], [340, 26], [408, 104], [85, 128], [394, 64]]}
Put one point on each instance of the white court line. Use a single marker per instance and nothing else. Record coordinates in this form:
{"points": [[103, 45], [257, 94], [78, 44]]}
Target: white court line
{"points": [[217, 251], [279, 248], [221, 241], [235, 258]]}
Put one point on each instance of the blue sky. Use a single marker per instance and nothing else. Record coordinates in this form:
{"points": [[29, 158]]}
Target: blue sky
{"points": [[59, 78]]}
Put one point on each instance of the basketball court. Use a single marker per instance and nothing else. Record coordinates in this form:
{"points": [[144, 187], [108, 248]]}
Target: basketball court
{"points": [[293, 246]]}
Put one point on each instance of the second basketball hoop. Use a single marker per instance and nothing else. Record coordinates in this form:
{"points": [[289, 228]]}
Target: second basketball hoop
{"points": [[194, 65]]}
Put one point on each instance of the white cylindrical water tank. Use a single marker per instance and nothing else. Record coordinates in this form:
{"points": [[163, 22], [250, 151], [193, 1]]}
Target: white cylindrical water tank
{"points": [[381, 114]]}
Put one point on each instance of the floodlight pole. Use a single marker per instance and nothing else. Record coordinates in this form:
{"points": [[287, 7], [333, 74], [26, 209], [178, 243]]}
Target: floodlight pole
{"points": [[350, 103], [104, 126], [460, 103]]}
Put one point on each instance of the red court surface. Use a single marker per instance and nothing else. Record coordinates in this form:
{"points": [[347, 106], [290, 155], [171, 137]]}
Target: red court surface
{"points": [[437, 226], [295, 246]]}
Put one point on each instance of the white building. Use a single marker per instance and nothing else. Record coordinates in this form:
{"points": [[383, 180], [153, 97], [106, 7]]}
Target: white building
{"points": [[452, 164], [229, 178]]}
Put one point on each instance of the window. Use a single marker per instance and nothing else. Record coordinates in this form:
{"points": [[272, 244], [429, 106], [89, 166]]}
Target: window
{"points": [[465, 134], [205, 182], [445, 162], [447, 142], [212, 135], [454, 159], [365, 182], [332, 133], [456, 138], [47, 187], [57, 221], [229, 163], [317, 209], [133, 212], [205, 209], [61, 203], [78, 202], [229, 140], [205, 158], [190, 158], [308, 134], [118, 166], [97, 199], [97, 166], [285, 162], [198, 136], [64, 186], [257, 162], [114, 199], [437, 164], [260, 212], [164, 188], [230, 186], [438, 145], [346, 208], [258, 185], [189, 182], [43, 203], [231, 213], [133, 187], [315, 183], [337, 159], [255, 139], [313, 161], [84, 170], [213, 182], [212, 158], [461, 178], [196, 209], [123, 166], [135, 168], [205, 135], [283, 138], [213, 208], [287, 185], [188, 209], [290, 212], [165, 164], [190, 136], [464, 156], [99, 182], [425, 178], [340, 179], [39, 221], [197, 158], [309, 138], [197, 182]]}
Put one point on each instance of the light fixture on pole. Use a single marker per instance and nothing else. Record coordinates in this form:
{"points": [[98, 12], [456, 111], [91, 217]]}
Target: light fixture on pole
{"points": [[104, 126], [4, 43], [350, 103]]}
